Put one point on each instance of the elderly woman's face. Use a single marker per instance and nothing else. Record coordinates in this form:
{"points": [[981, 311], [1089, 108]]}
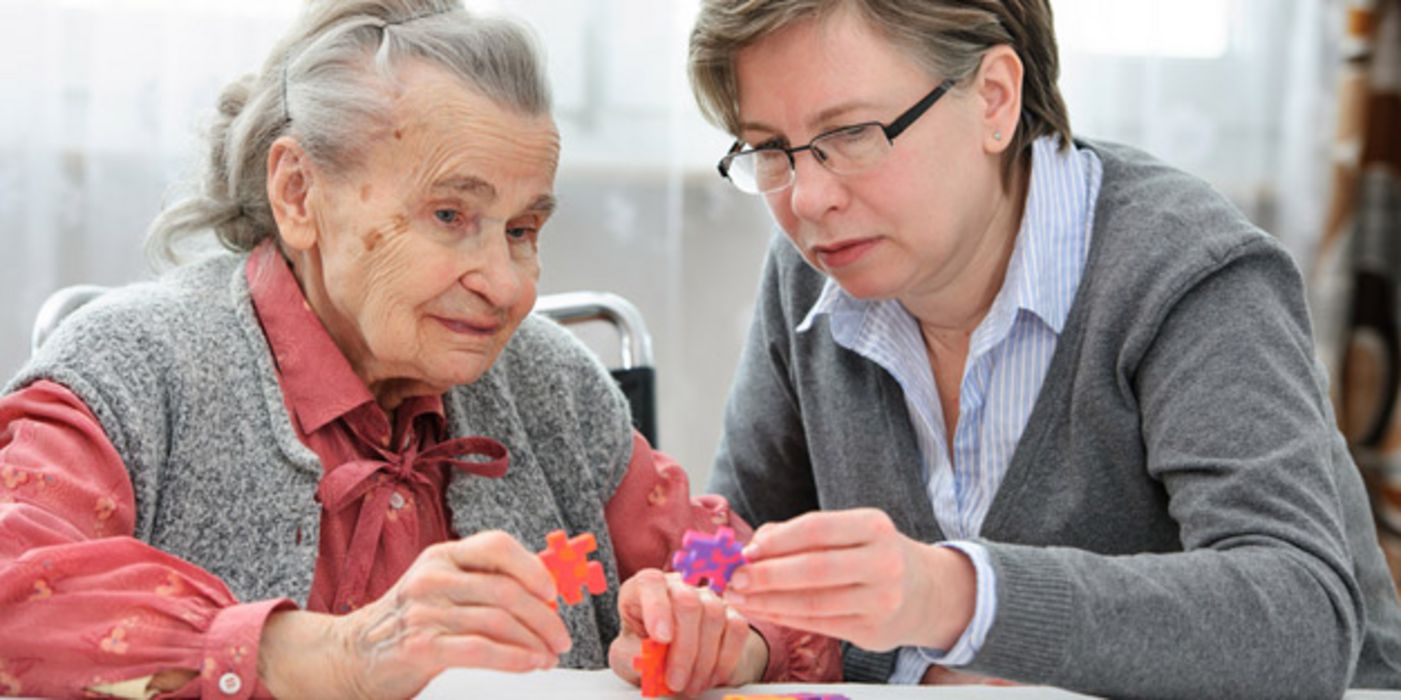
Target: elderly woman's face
{"points": [[427, 251]]}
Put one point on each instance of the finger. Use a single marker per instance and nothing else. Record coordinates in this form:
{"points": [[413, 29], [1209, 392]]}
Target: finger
{"points": [[500, 591], [837, 601], [712, 629], [681, 657], [630, 602], [825, 568], [497, 552], [480, 652], [626, 647], [492, 623], [657, 616], [818, 530], [731, 647]]}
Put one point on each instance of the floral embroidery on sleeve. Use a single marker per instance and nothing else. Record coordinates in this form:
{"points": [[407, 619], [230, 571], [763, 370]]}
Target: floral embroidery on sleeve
{"points": [[115, 641], [42, 590], [174, 586], [9, 682], [13, 478]]}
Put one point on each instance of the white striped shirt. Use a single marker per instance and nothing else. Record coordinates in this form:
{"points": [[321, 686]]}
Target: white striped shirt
{"points": [[1008, 355]]}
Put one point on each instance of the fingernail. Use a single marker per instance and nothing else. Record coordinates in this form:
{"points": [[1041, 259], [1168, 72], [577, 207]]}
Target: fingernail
{"points": [[739, 580], [663, 632], [734, 597], [749, 552], [675, 681]]}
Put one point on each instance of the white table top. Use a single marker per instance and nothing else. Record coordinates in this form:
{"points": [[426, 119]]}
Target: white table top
{"points": [[458, 684], [560, 684]]}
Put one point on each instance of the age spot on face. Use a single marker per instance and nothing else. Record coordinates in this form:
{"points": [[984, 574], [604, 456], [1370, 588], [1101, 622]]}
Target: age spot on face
{"points": [[372, 239], [399, 224]]}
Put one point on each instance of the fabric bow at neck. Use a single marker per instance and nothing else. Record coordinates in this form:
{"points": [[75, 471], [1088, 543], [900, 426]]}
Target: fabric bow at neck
{"points": [[376, 485]]}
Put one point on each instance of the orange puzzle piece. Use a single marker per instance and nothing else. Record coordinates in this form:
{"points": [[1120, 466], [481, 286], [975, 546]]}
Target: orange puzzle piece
{"points": [[652, 665], [569, 564]]}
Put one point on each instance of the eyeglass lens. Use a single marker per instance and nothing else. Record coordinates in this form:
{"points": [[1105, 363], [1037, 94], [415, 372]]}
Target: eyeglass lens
{"points": [[845, 151]]}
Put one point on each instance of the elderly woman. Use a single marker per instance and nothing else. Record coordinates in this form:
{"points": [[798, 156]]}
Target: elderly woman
{"points": [[1057, 402], [320, 417]]}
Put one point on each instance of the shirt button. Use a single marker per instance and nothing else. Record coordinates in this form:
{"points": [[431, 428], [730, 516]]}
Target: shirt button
{"points": [[396, 500], [230, 683]]}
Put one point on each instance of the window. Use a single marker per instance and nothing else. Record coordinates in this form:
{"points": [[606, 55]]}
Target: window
{"points": [[1165, 28]]}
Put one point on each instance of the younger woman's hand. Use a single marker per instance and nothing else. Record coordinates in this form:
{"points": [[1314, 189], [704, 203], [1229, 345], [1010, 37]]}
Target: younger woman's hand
{"points": [[852, 575]]}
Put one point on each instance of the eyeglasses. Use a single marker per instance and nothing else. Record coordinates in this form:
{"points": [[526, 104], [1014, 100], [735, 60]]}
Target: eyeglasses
{"points": [[845, 151]]}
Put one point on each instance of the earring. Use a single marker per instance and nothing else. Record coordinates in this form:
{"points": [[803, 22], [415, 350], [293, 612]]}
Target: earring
{"points": [[997, 136]]}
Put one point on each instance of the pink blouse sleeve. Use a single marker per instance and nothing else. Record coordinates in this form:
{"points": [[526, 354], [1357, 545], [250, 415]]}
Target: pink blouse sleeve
{"points": [[82, 603], [650, 513]]}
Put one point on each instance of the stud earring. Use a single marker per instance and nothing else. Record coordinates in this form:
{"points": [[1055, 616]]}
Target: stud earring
{"points": [[997, 136]]}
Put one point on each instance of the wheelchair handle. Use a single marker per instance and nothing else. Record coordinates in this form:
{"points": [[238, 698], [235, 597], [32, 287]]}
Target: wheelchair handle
{"points": [[577, 307]]}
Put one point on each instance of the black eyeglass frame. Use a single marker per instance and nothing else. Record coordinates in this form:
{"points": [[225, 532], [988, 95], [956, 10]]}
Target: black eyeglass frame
{"points": [[891, 130]]}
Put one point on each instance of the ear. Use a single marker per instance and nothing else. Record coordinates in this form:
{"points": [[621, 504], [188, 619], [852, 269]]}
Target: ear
{"points": [[998, 85], [290, 179]]}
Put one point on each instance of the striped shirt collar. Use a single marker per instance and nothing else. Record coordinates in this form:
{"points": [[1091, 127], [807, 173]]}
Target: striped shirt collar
{"points": [[1042, 274]]}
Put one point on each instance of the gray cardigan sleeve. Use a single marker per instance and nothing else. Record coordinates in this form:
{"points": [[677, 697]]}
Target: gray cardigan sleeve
{"points": [[1235, 425]]}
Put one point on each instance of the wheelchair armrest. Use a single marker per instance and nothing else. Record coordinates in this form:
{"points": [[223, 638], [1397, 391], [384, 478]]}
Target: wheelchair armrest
{"points": [[637, 376]]}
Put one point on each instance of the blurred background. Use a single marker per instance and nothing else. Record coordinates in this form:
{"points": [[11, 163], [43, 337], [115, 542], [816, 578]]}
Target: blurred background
{"points": [[105, 102]]}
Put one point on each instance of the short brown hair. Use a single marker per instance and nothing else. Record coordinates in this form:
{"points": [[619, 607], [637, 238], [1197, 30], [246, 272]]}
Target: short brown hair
{"points": [[947, 37]]}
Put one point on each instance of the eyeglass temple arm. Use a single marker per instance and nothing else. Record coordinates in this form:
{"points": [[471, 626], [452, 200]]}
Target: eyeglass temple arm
{"points": [[722, 166], [905, 120]]}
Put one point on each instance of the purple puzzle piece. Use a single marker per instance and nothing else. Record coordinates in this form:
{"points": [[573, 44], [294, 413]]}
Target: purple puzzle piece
{"points": [[711, 558]]}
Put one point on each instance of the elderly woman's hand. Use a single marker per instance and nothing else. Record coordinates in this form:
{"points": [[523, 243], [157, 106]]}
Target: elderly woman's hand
{"points": [[710, 643], [852, 575], [482, 601]]}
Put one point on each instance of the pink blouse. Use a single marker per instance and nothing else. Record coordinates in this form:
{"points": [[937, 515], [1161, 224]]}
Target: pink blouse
{"points": [[84, 605]]}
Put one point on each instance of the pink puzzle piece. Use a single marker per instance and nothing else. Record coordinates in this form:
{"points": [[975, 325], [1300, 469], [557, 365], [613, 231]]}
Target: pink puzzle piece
{"points": [[568, 562], [708, 558]]}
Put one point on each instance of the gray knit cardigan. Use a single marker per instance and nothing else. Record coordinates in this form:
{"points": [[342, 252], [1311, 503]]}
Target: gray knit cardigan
{"points": [[179, 373], [1180, 519]]}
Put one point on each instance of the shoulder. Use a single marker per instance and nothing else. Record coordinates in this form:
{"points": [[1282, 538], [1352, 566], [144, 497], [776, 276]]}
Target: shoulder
{"points": [[1158, 230], [542, 347], [565, 400], [546, 366], [1167, 245], [146, 319], [1148, 208], [128, 352]]}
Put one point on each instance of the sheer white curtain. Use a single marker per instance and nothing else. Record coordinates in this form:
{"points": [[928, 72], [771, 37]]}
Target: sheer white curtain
{"points": [[102, 105], [1239, 92], [103, 101]]}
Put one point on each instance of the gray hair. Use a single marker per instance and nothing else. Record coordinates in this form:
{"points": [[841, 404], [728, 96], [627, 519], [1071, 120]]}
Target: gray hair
{"points": [[947, 38], [327, 83]]}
